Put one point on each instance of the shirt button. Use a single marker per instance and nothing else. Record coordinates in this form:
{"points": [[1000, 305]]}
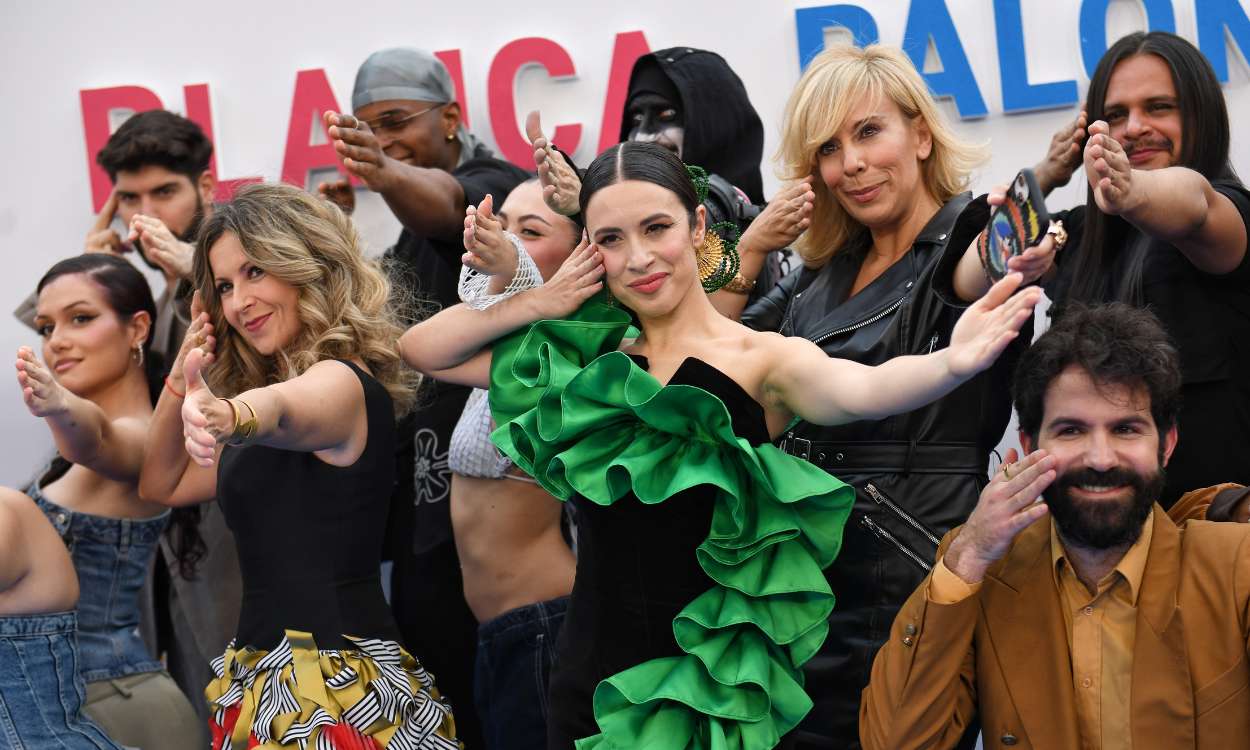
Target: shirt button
{"points": [[910, 629], [907, 640], [1086, 682], [1088, 610], [60, 518], [1008, 739]]}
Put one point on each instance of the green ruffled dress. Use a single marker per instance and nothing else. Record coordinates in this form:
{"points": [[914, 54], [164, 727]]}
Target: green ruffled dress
{"points": [[582, 418]]}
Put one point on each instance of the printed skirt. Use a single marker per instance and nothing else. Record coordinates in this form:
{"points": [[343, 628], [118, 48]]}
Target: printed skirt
{"points": [[374, 696]]}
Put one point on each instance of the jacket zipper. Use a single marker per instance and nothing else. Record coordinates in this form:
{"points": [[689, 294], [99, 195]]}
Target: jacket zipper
{"points": [[884, 500], [892, 540], [866, 322]]}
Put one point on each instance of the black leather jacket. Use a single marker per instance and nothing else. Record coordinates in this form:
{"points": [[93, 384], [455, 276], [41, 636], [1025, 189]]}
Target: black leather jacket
{"points": [[916, 474]]}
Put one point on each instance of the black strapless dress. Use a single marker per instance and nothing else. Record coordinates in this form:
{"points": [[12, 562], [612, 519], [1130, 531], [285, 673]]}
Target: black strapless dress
{"points": [[636, 569]]}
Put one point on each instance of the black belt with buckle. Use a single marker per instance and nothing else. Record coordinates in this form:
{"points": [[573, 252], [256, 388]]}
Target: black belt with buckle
{"points": [[889, 456]]}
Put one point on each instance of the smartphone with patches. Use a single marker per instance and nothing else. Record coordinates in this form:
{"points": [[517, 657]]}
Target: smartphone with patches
{"points": [[1015, 226]]}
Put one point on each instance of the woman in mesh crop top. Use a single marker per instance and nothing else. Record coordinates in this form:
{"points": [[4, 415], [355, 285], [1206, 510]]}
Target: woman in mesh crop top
{"points": [[517, 567]]}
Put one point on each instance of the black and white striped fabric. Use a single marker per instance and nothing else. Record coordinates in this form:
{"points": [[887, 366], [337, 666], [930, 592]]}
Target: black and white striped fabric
{"points": [[389, 698]]}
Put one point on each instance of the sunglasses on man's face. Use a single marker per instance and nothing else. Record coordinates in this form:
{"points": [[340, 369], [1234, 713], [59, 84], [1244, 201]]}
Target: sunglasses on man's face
{"points": [[393, 126]]}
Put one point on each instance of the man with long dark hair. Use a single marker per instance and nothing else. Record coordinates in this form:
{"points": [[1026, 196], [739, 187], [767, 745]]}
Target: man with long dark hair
{"points": [[1106, 625], [1164, 227]]}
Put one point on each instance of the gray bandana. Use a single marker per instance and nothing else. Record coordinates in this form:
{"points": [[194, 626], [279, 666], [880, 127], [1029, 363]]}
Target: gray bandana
{"points": [[411, 75]]}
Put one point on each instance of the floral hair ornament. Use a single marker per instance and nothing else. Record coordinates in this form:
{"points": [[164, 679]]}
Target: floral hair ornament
{"points": [[717, 257]]}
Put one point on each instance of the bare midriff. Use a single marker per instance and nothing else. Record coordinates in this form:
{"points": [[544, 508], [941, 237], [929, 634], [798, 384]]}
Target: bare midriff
{"points": [[512, 552]]}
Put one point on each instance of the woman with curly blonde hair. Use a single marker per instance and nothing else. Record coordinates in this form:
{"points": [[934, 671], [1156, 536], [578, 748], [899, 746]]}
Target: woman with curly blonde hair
{"points": [[301, 458], [890, 223]]}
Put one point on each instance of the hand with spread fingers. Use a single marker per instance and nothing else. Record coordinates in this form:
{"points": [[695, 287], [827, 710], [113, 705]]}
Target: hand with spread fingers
{"points": [[786, 216], [989, 324], [489, 251], [1109, 171], [1063, 157], [340, 193], [175, 257], [561, 184], [577, 281], [359, 150], [101, 238], [206, 419], [44, 396], [199, 336], [1008, 505]]}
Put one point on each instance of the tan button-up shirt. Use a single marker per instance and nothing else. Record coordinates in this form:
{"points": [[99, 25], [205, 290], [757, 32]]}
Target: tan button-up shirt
{"points": [[1102, 627]]}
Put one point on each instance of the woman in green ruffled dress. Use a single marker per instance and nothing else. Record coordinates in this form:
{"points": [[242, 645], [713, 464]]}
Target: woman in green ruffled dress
{"points": [[699, 592]]}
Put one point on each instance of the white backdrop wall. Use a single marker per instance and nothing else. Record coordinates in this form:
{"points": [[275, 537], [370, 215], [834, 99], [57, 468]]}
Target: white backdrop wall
{"points": [[249, 54]]}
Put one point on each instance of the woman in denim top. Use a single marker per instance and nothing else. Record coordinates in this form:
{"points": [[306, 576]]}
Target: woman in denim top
{"points": [[95, 314], [41, 692]]}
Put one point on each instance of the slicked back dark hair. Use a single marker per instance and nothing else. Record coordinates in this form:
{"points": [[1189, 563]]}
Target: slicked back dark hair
{"points": [[1204, 147], [159, 138], [1116, 344], [646, 162]]}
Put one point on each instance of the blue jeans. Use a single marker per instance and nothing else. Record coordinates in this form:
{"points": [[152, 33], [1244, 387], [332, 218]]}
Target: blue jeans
{"points": [[41, 692], [514, 655]]}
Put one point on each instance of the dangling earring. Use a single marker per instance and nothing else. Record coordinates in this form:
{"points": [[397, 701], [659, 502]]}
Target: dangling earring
{"points": [[451, 136], [138, 355], [717, 260]]}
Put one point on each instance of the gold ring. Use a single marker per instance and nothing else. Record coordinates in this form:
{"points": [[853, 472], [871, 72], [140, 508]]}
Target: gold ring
{"points": [[1057, 230], [1007, 471]]}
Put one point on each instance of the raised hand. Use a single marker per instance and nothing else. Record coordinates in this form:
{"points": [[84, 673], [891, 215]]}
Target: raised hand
{"points": [[577, 281], [989, 324], [175, 257], [359, 150], [43, 395], [1109, 171], [1035, 261], [1008, 505], [102, 239], [206, 419], [340, 193], [561, 184], [786, 216], [1063, 156], [489, 251], [199, 336]]}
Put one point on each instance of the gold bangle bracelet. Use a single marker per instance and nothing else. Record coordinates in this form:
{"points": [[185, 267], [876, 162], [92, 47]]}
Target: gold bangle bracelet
{"points": [[243, 431], [739, 284]]}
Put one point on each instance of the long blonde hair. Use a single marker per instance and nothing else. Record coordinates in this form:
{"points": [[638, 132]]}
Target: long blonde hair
{"points": [[835, 81], [345, 301]]}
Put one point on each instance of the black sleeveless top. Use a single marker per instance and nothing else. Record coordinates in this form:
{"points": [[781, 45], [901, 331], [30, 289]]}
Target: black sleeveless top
{"points": [[636, 569], [310, 535]]}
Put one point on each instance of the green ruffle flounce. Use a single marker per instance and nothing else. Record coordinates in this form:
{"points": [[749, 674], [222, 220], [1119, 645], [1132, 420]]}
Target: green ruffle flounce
{"points": [[581, 417]]}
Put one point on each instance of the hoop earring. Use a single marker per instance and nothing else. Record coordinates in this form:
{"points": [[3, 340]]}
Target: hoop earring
{"points": [[138, 355]]}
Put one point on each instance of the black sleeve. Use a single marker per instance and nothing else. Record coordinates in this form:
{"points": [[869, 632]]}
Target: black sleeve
{"points": [[1065, 260], [1237, 193], [479, 178], [971, 221], [768, 312]]}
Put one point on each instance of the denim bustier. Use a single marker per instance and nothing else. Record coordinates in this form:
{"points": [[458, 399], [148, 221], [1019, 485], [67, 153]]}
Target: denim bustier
{"points": [[41, 696], [112, 557]]}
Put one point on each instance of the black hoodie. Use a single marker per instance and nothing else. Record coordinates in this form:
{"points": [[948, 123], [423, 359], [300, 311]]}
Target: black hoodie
{"points": [[723, 133]]}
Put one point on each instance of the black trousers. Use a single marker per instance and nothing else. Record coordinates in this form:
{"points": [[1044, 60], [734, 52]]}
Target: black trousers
{"points": [[427, 598]]}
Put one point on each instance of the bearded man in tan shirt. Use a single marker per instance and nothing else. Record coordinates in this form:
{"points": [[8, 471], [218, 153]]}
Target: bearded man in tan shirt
{"points": [[1103, 626]]}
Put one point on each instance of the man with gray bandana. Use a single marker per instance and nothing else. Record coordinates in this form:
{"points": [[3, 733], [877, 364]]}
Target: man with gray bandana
{"points": [[406, 141]]}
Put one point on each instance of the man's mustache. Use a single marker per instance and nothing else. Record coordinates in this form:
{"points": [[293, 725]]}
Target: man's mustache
{"points": [[1161, 144]]}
